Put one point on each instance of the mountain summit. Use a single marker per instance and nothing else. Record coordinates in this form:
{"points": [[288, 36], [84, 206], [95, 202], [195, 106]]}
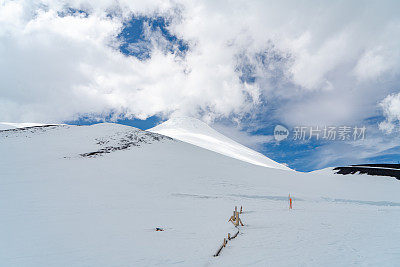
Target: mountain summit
{"points": [[198, 133]]}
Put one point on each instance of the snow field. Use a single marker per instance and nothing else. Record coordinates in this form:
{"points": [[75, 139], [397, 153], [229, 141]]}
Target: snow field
{"points": [[58, 208]]}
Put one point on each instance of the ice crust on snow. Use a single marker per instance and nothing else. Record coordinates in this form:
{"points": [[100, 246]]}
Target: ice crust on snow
{"points": [[196, 132]]}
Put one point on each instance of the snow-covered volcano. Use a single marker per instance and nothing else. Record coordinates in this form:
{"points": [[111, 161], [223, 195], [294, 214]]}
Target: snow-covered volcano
{"points": [[196, 132], [93, 196]]}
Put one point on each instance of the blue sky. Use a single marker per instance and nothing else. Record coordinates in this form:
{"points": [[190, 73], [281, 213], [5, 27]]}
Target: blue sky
{"points": [[272, 63]]}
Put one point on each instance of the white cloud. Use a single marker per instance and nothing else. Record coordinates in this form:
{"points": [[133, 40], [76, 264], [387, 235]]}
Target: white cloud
{"points": [[372, 64], [54, 68], [391, 110], [326, 56]]}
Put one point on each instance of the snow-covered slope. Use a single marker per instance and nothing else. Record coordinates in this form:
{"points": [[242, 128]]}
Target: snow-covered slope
{"points": [[13, 125], [93, 195], [196, 132]]}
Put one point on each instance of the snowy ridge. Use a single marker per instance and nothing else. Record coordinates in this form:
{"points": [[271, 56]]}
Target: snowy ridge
{"points": [[87, 141], [196, 132], [14, 125]]}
